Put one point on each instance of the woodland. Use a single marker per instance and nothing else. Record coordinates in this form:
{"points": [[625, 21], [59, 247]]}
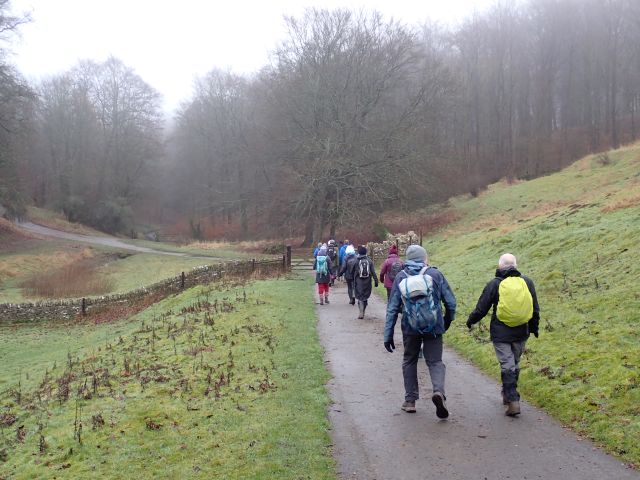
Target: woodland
{"points": [[355, 117]]}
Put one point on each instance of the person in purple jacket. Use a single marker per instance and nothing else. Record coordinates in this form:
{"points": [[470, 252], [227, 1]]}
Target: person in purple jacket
{"points": [[390, 268]]}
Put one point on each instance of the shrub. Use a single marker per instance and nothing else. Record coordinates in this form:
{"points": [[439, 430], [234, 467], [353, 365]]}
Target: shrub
{"points": [[113, 215]]}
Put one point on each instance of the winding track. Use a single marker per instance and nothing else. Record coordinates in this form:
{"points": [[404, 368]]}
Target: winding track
{"points": [[96, 240], [374, 440]]}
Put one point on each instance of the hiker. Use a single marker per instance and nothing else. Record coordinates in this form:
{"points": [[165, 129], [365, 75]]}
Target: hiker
{"points": [[418, 292], [390, 268], [332, 253], [316, 250], [347, 268], [322, 266], [362, 271], [516, 314], [342, 254]]}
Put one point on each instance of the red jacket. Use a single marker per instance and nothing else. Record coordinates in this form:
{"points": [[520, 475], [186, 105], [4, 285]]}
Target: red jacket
{"points": [[386, 268]]}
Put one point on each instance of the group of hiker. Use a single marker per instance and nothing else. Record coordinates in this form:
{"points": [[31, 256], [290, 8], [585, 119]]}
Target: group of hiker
{"points": [[358, 270], [421, 294]]}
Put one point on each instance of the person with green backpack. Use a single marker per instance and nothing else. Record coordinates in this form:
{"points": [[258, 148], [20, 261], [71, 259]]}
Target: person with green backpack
{"points": [[515, 316], [322, 265]]}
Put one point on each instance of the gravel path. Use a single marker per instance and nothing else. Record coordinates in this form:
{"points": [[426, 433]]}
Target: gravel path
{"points": [[95, 240], [374, 439]]}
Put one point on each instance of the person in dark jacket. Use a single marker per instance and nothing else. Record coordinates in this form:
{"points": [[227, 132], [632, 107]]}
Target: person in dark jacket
{"points": [[347, 269], [508, 341], [390, 268], [332, 253], [322, 266], [431, 342], [363, 272]]}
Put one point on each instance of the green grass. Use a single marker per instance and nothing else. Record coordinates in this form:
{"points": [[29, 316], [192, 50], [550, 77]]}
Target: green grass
{"points": [[575, 234], [222, 401], [122, 269]]}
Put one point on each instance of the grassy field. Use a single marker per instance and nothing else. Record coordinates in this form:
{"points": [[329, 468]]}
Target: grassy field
{"points": [[206, 384], [119, 270], [575, 233]]}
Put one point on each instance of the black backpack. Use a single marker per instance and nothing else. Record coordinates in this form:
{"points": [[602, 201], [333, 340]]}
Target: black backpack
{"points": [[396, 268], [331, 253], [363, 268]]}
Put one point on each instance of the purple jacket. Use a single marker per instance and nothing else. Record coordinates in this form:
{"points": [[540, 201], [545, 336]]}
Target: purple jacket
{"points": [[386, 268]]}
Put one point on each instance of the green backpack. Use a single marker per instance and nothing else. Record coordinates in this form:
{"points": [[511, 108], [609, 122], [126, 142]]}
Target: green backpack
{"points": [[515, 304]]}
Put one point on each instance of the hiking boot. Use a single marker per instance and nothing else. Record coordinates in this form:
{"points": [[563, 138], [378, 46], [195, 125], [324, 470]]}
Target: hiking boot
{"points": [[409, 407], [326, 299], [352, 301], [321, 301], [441, 408], [513, 409]]}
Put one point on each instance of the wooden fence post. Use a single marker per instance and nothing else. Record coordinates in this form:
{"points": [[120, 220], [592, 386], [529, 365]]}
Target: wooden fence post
{"points": [[182, 280], [289, 257], [284, 262], [84, 306], [420, 237], [253, 264]]}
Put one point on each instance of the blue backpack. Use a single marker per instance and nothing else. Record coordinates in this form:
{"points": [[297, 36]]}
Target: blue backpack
{"points": [[419, 307], [321, 265]]}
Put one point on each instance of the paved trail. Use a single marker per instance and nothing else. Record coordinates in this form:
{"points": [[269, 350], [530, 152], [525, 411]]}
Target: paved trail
{"points": [[374, 439]]}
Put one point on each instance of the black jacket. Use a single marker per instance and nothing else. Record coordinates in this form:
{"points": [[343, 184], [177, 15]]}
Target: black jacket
{"points": [[362, 286], [499, 331], [347, 267]]}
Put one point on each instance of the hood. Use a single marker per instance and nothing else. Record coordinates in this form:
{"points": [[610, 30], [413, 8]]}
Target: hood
{"points": [[508, 272], [412, 267]]}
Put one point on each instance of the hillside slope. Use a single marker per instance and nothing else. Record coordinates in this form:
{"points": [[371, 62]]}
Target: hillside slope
{"points": [[576, 234]]}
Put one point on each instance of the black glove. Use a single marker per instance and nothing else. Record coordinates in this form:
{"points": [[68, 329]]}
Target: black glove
{"points": [[535, 332], [390, 346], [469, 324], [376, 284]]}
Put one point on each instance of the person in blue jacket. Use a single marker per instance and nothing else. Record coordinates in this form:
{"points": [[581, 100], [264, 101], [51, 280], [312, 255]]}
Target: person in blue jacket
{"points": [[431, 342], [342, 255]]}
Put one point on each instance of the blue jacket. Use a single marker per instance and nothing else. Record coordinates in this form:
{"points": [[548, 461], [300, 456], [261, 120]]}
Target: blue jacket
{"points": [[341, 253], [442, 294]]}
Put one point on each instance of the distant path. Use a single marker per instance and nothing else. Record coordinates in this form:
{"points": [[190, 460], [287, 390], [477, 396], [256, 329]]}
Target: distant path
{"points": [[373, 439], [104, 241]]}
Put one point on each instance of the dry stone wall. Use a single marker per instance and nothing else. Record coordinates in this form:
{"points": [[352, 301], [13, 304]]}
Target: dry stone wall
{"points": [[70, 309], [379, 250]]}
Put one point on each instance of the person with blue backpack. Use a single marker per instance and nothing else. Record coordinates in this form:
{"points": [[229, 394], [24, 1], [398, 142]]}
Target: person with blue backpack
{"points": [[418, 292], [323, 267], [515, 316]]}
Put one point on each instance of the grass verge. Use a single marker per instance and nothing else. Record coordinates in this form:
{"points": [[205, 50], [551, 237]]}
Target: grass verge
{"points": [[224, 383], [575, 234]]}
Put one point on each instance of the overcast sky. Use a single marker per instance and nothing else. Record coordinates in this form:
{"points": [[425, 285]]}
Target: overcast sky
{"points": [[170, 42]]}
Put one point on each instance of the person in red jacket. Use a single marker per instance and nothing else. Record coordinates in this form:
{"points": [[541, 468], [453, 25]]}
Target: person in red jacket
{"points": [[390, 268]]}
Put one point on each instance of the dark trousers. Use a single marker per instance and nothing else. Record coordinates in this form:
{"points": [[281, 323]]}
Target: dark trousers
{"points": [[350, 288], [432, 348], [388, 293]]}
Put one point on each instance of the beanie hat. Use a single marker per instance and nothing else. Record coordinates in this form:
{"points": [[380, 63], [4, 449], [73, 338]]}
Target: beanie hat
{"points": [[323, 251], [350, 250], [393, 249], [416, 253], [362, 250]]}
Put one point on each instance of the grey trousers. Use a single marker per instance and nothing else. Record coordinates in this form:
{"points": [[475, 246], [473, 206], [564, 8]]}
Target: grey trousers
{"points": [[509, 355], [432, 348]]}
